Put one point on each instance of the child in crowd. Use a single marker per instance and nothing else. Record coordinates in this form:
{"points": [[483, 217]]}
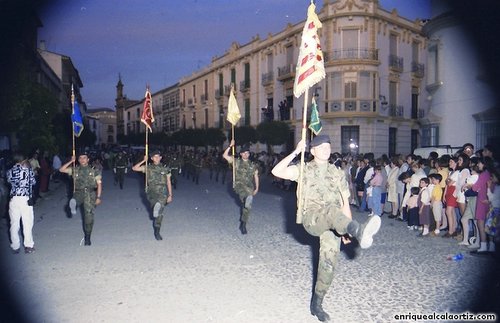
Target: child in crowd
{"points": [[424, 204], [492, 225], [376, 191], [436, 201], [412, 207], [470, 208]]}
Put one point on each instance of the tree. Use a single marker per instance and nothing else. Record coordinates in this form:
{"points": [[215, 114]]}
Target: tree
{"points": [[244, 135], [29, 109], [214, 137], [273, 133]]}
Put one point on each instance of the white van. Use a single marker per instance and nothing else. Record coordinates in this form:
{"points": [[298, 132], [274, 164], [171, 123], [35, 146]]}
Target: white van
{"points": [[441, 150]]}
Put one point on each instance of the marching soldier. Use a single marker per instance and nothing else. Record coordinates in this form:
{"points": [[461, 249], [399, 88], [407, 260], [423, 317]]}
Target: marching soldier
{"points": [[159, 187], [88, 189], [175, 164], [324, 207], [246, 183], [120, 168]]}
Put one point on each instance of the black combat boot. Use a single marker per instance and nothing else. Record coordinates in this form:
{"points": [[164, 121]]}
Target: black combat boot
{"points": [[243, 227], [157, 234], [87, 239], [317, 308]]}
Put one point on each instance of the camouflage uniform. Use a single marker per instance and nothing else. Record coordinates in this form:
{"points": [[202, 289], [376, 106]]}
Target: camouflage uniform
{"points": [[120, 168], [174, 163], [157, 189], [220, 169], [86, 179], [323, 189], [244, 185], [197, 166]]}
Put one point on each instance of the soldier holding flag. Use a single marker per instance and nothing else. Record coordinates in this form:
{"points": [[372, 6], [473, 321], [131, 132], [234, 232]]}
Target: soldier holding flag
{"points": [[322, 191]]}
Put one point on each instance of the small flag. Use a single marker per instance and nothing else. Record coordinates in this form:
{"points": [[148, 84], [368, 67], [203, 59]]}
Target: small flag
{"points": [[310, 66], [315, 123], [233, 112], [147, 112], [76, 116]]}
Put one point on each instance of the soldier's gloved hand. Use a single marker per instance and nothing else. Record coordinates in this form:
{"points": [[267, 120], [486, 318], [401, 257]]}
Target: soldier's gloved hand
{"points": [[114, 170], [180, 170], [126, 170]]}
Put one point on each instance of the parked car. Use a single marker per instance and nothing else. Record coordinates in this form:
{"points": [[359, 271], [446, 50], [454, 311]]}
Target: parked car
{"points": [[441, 150]]}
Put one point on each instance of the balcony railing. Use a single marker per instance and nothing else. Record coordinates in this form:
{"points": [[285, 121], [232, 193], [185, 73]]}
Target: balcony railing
{"points": [[286, 72], [182, 104], [396, 63], [353, 106], [191, 102], [267, 78], [351, 53], [244, 85], [203, 98], [227, 89], [218, 93], [396, 110], [417, 69]]}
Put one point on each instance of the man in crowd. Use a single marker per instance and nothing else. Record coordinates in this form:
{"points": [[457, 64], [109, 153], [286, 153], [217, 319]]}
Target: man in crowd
{"points": [[22, 179]]}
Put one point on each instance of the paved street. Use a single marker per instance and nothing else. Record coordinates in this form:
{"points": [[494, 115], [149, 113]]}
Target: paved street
{"points": [[204, 270]]}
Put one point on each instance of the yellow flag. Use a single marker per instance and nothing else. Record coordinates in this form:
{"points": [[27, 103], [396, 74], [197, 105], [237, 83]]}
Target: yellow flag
{"points": [[233, 112]]}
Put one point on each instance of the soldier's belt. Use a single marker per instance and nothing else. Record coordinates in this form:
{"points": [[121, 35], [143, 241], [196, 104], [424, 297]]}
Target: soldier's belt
{"points": [[121, 167], [87, 189]]}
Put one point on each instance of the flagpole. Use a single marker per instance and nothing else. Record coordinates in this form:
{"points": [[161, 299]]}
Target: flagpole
{"points": [[303, 137], [146, 164], [73, 137], [233, 152]]}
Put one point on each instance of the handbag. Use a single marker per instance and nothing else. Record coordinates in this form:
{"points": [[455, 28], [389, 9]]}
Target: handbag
{"points": [[470, 192]]}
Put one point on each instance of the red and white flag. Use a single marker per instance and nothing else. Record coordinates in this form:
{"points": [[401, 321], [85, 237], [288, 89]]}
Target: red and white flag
{"points": [[147, 113], [310, 66]]}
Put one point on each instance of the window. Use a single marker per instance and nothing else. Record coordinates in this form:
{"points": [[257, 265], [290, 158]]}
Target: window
{"points": [[247, 74], [350, 85], [289, 55], [350, 38], [233, 76], [430, 135], [205, 89], [206, 118], [364, 85], [393, 44], [336, 88], [414, 52], [393, 93], [270, 62], [393, 135], [349, 139], [221, 83], [247, 112], [138, 113], [414, 103], [432, 65], [414, 139]]}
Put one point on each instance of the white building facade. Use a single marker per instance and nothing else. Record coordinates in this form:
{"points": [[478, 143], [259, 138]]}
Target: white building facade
{"points": [[371, 98]]}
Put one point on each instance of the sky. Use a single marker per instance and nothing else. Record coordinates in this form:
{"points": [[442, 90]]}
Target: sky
{"points": [[157, 42]]}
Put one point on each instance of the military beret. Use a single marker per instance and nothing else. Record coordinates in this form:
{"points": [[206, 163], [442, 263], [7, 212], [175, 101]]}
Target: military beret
{"points": [[318, 140], [81, 152], [245, 147], [154, 152]]}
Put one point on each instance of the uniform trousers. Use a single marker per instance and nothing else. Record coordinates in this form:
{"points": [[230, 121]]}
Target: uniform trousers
{"points": [[319, 223], [86, 198], [19, 210]]}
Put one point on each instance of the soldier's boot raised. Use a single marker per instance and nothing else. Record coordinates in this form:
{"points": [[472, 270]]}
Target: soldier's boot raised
{"points": [[72, 206], [243, 227], [87, 239], [317, 308], [156, 209], [157, 234], [364, 232]]}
